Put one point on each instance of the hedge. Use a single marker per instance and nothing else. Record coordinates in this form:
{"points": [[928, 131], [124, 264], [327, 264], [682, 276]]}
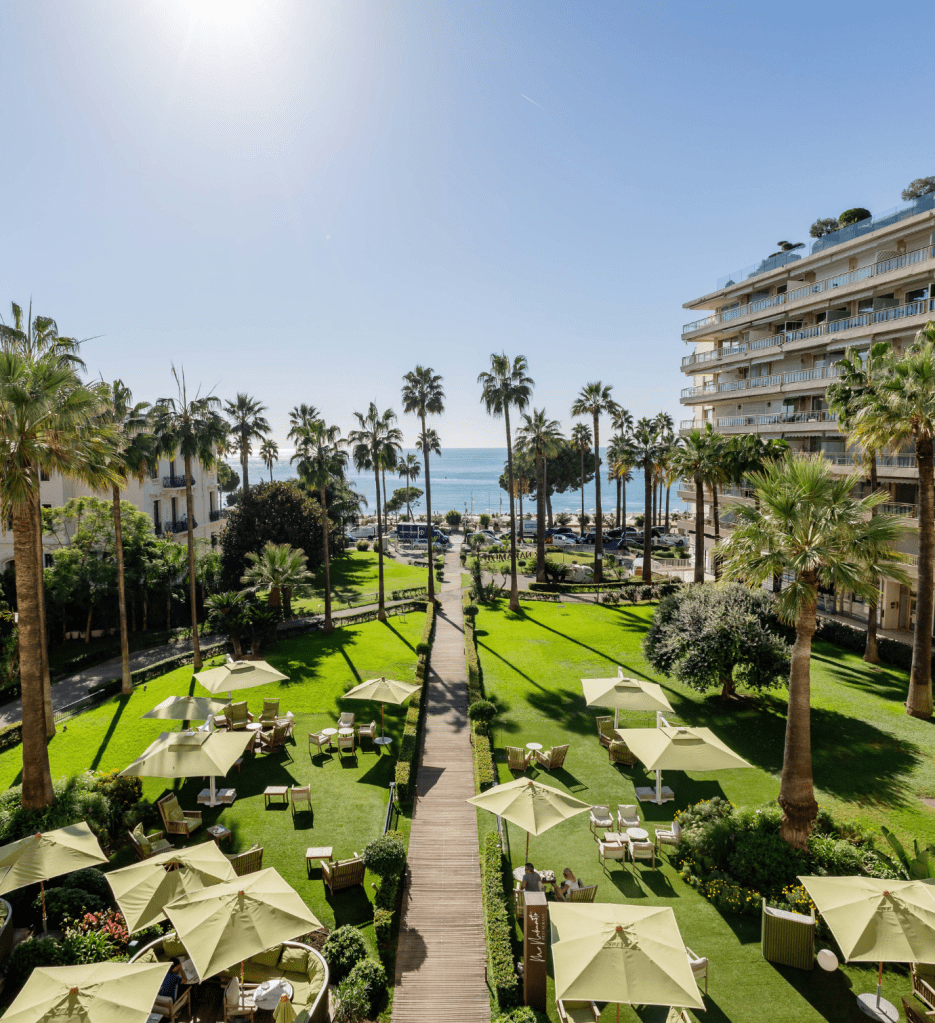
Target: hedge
{"points": [[415, 715], [485, 774], [503, 977]]}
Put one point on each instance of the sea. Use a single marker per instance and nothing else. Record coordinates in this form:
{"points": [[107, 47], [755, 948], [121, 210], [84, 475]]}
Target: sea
{"points": [[466, 479]]}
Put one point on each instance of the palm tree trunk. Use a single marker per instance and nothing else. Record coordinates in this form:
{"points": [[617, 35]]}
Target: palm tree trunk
{"points": [[581, 520], [617, 523], [647, 531], [699, 529], [127, 684], [385, 513], [653, 522], [329, 624], [408, 509], [243, 466], [623, 501], [545, 487], [540, 517], [919, 702], [716, 561], [44, 646], [796, 789], [381, 609], [37, 778], [871, 653], [514, 586], [428, 508], [598, 516], [190, 510], [668, 495]]}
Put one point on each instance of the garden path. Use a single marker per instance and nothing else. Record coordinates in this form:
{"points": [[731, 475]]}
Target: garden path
{"points": [[442, 958]]}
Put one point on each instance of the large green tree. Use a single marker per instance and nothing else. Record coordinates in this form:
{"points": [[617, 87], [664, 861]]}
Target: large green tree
{"points": [[247, 423], [594, 400]]}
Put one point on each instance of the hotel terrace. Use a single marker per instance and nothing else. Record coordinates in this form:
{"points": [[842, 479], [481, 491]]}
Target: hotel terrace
{"points": [[767, 350]]}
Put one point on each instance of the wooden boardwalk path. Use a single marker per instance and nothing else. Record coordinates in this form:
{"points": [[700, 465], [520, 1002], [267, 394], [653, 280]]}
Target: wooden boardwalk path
{"points": [[442, 957]]}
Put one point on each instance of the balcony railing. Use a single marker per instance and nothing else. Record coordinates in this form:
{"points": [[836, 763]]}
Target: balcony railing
{"points": [[773, 419], [218, 514], [909, 510], [175, 481], [828, 284], [175, 527]]}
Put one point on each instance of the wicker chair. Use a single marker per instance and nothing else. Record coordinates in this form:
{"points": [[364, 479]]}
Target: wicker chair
{"points": [[155, 843], [787, 938], [323, 742], [642, 851], [517, 759], [699, 967], [552, 759], [605, 730], [346, 720], [628, 816], [186, 824], [582, 894], [270, 712], [346, 743], [367, 732], [167, 1007], [237, 716], [248, 861], [669, 836], [923, 982], [343, 874], [300, 794], [577, 1012], [271, 741], [618, 752], [610, 851], [600, 817], [239, 1005], [913, 1015]]}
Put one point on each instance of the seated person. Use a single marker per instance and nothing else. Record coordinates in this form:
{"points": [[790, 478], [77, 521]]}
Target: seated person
{"points": [[531, 880], [569, 884], [173, 980]]}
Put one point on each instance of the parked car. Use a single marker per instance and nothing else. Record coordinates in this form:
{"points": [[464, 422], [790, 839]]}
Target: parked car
{"points": [[563, 540], [579, 574]]}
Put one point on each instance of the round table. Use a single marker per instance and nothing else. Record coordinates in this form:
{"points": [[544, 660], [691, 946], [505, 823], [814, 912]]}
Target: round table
{"points": [[520, 871], [534, 746], [345, 731], [329, 731], [253, 726], [267, 995], [638, 834]]}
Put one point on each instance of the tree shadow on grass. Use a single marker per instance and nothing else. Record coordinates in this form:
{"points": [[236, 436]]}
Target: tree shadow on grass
{"points": [[398, 635], [879, 680], [350, 906], [380, 772], [831, 995], [122, 702]]}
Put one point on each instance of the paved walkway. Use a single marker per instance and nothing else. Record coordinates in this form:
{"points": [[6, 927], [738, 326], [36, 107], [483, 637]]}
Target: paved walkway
{"points": [[442, 957]]}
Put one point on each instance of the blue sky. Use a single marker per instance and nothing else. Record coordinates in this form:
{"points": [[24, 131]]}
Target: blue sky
{"points": [[303, 200]]}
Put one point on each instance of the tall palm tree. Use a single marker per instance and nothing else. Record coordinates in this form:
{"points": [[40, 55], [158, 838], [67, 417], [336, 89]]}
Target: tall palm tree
{"points": [[423, 395], [269, 452], [901, 408], [301, 416], [389, 461], [192, 427], [247, 423], [645, 439], [369, 442], [540, 437], [504, 385], [581, 441], [809, 523], [845, 397], [48, 422], [692, 460], [593, 400], [280, 568], [321, 462], [622, 459], [409, 469]]}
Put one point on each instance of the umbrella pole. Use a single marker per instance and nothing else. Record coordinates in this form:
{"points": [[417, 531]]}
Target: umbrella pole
{"points": [[382, 720], [659, 788], [527, 846], [241, 985], [213, 796], [879, 983], [616, 717]]}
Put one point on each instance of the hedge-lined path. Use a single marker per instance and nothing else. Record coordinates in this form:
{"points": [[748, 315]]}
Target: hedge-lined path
{"points": [[442, 957]]}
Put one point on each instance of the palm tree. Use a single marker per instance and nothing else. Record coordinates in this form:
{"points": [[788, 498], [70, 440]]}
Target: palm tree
{"points": [[666, 426], [269, 452], [691, 460], [282, 569], [622, 458], [375, 434], [301, 416], [540, 436], [389, 461], [321, 462], [423, 395], [594, 399], [901, 408], [192, 427], [581, 441], [809, 523], [247, 424], [645, 439], [48, 423], [409, 469], [503, 385]]}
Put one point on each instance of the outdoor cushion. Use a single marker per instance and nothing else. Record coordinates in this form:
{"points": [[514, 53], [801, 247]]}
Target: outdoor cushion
{"points": [[268, 958], [149, 956], [302, 991], [316, 974], [194, 823], [253, 973], [295, 959], [172, 946], [141, 839]]}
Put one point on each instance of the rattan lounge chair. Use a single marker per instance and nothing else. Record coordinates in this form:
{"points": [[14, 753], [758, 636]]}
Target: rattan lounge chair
{"points": [[605, 730], [577, 1012], [618, 752], [248, 861], [517, 759], [176, 820], [552, 759], [270, 713]]}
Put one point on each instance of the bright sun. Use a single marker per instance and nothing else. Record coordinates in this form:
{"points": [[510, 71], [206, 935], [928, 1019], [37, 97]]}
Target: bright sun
{"points": [[222, 14]]}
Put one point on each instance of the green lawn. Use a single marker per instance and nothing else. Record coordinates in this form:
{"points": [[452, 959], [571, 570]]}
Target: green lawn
{"points": [[349, 796], [354, 576], [870, 760]]}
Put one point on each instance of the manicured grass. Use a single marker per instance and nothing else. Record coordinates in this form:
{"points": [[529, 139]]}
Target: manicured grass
{"points": [[349, 795], [870, 762], [355, 575]]}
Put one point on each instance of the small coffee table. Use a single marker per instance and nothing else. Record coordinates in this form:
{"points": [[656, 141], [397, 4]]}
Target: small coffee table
{"points": [[534, 746], [329, 732], [254, 726], [318, 852], [280, 792], [345, 731], [218, 832], [266, 995], [638, 834]]}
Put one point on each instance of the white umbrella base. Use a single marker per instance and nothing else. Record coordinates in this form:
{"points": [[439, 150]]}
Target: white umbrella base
{"points": [[383, 740], [223, 797], [647, 794], [881, 1010]]}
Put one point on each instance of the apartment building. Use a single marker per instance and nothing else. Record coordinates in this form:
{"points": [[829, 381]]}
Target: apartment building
{"points": [[161, 495], [765, 353]]}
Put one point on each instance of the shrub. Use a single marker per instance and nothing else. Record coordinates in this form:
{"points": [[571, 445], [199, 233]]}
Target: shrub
{"points": [[29, 954], [386, 893], [823, 226], [471, 611], [485, 773], [372, 976], [75, 800], [89, 879], [409, 743], [63, 904], [362, 545], [484, 521], [343, 950], [383, 925], [482, 712], [80, 947], [124, 791], [353, 1002], [385, 856], [854, 216], [453, 518], [422, 649], [497, 924], [524, 1014]]}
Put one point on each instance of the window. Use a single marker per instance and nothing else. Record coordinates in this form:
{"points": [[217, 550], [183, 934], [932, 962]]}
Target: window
{"points": [[43, 476], [917, 295], [49, 561], [157, 517], [781, 290], [153, 471], [211, 496], [172, 467], [175, 512]]}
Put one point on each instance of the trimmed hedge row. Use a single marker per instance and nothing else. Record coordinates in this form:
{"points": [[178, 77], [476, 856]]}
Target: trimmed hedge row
{"points": [[485, 773], [603, 587], [415, 713], [853, 637], [503, 977]]}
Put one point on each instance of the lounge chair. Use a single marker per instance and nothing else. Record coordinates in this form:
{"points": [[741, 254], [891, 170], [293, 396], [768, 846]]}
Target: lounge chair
{"points": [[577, 1012], [176, 820], [618, 752], [248, 861], [237, 1005], [270, 712], [167, 1007], [148, 845], [699, 967], [600, 818], [787, 938], [343, 873], [552, 759], [669, 836], [610, 851], [642, 851], [322, 741], [300, 794], [628, 816], [913, 1015], [605, 730], [585, 894], [517, 759], [367, 732], [346, 720], [923, 982], [346, 742], [237, 716], [273, 740]]}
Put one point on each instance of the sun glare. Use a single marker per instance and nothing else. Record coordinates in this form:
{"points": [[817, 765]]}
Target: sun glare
{"points": [[225, 14]]}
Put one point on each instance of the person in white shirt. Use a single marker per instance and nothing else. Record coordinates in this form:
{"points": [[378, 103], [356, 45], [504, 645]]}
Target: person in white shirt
{"points": [[569, 884]]}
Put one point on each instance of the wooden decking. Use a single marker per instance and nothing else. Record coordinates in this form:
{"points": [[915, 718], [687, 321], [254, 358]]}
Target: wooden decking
{"points": [[442, 957]]}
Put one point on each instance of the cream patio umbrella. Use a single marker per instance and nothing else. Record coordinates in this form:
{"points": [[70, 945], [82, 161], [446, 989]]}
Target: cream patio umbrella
{"points": [[877, 921], [622, 693], [92, 993], [607, 952], [382, 690], [186, 708], [529, 805], [43, 856], [239, 675], [143, 890], [678, 749], [190, 755]]}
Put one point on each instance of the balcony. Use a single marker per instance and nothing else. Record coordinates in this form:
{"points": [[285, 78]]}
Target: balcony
{"points": [[175, 481], [218, 514], [908, 510], [772, 419], [174, 527], [828, 284]]}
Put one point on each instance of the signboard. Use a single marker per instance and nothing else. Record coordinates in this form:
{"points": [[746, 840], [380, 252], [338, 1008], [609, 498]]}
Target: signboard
{"points": [[535, 951]]}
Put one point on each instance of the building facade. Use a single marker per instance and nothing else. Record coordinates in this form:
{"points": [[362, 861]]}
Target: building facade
{"points": [[765, 354]]}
